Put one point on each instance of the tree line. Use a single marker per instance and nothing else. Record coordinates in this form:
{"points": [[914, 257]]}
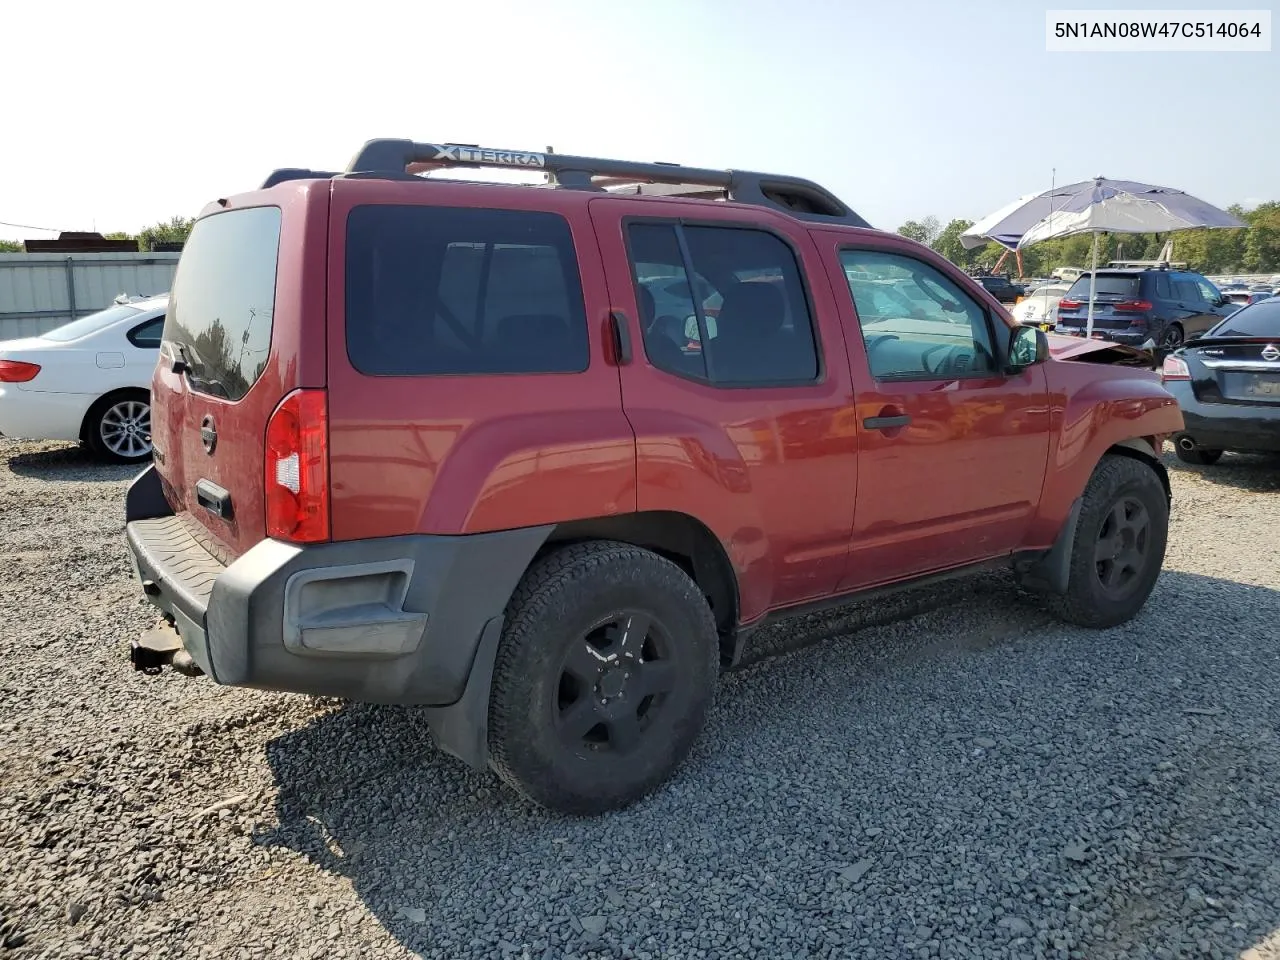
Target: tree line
{"points": [[1254, 248], [1251, 249]]}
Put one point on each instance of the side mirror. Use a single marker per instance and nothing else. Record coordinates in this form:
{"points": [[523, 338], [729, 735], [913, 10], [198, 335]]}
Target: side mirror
{"points": [[1027, 347]]}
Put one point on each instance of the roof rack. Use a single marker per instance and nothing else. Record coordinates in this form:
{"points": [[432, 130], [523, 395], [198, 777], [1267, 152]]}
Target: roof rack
{"points": [[795, 196], [1142, 264]]}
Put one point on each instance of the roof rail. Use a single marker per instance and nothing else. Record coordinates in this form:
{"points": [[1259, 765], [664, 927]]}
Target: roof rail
{"points": [[795, 196]]}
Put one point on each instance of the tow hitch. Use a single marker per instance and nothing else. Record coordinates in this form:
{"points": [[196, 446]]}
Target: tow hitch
{"points": [[161, 646]]}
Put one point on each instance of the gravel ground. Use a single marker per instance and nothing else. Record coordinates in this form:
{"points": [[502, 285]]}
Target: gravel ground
{"points": [[949, 774]]}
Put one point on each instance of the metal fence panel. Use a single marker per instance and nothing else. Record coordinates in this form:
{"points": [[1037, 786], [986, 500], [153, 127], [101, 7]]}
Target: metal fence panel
{"points": [[39, 291]]}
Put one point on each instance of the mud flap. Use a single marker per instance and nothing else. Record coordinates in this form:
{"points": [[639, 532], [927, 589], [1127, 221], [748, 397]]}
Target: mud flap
{"points": [[462, 728], [1051, 571]]}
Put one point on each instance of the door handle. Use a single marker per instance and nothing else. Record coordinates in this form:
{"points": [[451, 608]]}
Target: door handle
{"points": [[886, 423], [621, 337]]}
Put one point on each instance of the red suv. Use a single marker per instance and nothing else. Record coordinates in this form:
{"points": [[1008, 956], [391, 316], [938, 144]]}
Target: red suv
{"points": [[424, 441]]}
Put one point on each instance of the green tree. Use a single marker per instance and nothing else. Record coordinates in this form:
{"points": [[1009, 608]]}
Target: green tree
{"points": [[174, 230], [1261, 248], [121, 235], [922, 231], [10, 246], [947, 243]]}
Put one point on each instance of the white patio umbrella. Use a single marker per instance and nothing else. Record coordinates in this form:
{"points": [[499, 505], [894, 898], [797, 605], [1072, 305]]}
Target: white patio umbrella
{"points": [[1095, 206]]}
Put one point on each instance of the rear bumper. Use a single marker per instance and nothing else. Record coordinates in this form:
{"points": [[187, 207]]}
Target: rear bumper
{"points": [[1121, 335], [41, 415], [1227, 426], [387, 620]]}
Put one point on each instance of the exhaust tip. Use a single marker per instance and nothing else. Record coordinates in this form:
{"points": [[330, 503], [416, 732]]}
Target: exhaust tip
{"points": [[1186, 443]]}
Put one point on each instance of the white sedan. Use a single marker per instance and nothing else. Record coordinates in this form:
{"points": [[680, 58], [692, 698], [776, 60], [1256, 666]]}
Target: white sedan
{"points": [[1039, 308], [88, 380]]}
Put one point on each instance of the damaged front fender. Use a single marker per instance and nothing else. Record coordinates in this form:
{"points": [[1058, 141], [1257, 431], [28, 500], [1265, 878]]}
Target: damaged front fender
{"points": [[1079, 349]]}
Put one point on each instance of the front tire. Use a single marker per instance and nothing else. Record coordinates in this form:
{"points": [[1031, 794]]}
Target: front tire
{"points": [[118, 427], [1119, 545], [604, 674]]}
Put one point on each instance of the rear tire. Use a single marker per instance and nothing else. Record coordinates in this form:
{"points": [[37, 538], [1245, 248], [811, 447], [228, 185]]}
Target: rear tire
{"points": [[117, 428], [1173, 336], [604, 674], [1119, 545], [1197, 455]]}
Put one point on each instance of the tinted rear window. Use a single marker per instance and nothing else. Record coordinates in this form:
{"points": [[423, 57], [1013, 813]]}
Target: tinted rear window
{"points": [[443, 290], [1108, 284], [223, 297], [90, 324], [1260, 320]]}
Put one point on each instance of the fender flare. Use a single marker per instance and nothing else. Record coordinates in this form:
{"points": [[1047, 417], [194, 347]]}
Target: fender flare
{"points": [[1051, 570]]}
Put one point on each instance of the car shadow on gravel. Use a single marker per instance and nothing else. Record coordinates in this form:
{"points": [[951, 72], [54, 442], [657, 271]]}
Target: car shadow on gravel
{"points": [[1257, 472], [975, 774], [63, 462]]}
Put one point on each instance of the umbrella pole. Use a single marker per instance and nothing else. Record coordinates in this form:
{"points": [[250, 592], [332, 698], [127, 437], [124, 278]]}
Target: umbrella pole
{"points": [[1093, 282]]}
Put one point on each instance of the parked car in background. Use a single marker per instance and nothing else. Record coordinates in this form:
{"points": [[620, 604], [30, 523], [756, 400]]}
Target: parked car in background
{"points": [[1134, 305], [87, 380], [1228, 386], [1039, 308], [1242, 298], [450, 459], [1002, 288]]}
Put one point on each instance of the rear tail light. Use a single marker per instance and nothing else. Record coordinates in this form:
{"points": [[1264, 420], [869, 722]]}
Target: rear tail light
{"points": [[17, 371], [1174, 368], [297, 468], [1133, 306], [1065, 304]]}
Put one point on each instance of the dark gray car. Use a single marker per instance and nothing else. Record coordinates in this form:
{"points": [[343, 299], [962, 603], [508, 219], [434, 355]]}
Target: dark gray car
{"points": [[1135, 305]]}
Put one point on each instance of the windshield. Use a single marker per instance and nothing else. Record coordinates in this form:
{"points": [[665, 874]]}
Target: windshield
{"points": [[1260, 320], [1108, 285], [90, 324]]}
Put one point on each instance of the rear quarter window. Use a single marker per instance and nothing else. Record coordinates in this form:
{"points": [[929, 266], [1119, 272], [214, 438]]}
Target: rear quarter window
{"points": [[147, 335], [440, 291], [223, 297]]}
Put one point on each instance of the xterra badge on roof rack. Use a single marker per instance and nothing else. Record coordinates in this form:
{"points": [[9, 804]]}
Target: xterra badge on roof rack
{"points": [[465, 153]]}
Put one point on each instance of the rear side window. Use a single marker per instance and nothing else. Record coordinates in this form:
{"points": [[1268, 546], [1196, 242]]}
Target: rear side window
{"points": [[1164, 289], [1188, 292], [437, 291], [749, 326], [1108, 285], [223, 297]]}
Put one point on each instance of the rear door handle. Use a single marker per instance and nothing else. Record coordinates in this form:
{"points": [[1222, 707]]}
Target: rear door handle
{"points": [[886, 423], [214, 498], [621, 337]]}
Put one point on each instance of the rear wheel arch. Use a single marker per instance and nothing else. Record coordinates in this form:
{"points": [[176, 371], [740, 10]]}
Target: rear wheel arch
{"points": [[95, 411], [107, 398], [678, 537]]}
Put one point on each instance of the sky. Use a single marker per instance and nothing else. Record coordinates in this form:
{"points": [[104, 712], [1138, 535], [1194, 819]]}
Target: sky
{"points": [[118, 115]]}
